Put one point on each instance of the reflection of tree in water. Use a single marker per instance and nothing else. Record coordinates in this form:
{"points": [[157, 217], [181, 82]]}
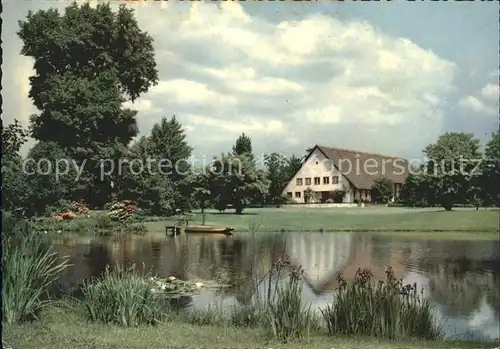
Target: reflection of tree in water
{"points": [[241, 271], [247, 260], [493, 293], [98, 258], [493, 299], [86, 261], [458, 286]]}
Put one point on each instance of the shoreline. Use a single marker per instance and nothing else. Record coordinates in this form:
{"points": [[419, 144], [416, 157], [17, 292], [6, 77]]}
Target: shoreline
{"points": [[59, 329]]}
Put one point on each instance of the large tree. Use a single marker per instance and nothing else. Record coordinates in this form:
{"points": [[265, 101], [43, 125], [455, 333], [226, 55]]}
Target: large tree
{"points": [[157, 172], [14, 136], [278, 176], [13, 179], [243, 145], [418, 190], [294, 163], [168, 142], [490, 179], [382, 190], [452, 162], [236, 181], [50, 177], [88, 62]]}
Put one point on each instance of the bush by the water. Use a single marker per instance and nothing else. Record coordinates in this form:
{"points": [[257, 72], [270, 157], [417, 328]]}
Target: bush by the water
{"points": [[29, 266], [384, 309], [98, 225], [123, 296]]}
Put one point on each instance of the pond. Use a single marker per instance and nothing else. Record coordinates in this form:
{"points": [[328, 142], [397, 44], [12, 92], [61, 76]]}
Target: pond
{"points": [[461, 278]]}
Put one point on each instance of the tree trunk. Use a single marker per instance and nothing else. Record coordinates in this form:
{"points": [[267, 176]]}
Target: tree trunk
{"points": [[239, 209]]}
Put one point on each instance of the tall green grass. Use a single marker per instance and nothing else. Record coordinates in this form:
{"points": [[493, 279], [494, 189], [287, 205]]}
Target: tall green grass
{"points": [[288, 317], [123, 296], [29, 266], [384, 309]]}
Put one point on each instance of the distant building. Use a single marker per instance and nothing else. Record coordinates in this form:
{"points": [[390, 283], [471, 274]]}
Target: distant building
{"points": [[326, 170]]}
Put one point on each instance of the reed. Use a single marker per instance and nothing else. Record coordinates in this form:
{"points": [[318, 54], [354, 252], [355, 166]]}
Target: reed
{"points": [[29, 266], [386, 309], [288, 317], [123, 296]]}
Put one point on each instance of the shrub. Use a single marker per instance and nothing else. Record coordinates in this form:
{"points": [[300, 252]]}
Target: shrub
{"points": [[123, 297], [385, 309], [103, 221], [29, 266]]}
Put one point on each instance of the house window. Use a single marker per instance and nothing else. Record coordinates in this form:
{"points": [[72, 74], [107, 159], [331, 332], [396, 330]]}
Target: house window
{"points": [[289, 194], [335, 180], [299, 181], [297, 194], [317, 180], [326, 180], [308, 181]]}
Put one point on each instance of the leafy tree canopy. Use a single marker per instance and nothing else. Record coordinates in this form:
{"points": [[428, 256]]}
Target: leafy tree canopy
{"points": [[243, 145], [13, 137], [382, 190], [87, 42], [87, 61], [451, 148], [492, 151]]}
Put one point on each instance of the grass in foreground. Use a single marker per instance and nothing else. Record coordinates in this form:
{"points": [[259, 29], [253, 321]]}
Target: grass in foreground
{"points": [[62, 329], [123, 297], [368, 219], [29, 266]]}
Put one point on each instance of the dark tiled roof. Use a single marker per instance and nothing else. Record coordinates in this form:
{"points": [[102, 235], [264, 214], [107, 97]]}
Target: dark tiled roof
{"points": [[362, 169]]}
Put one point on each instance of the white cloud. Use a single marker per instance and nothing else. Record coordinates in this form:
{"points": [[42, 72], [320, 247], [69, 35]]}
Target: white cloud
{"points": [[485, 320], [141, 105], [289, 85], [186, 91], [491, 91], [236, 127], [476, 105]]}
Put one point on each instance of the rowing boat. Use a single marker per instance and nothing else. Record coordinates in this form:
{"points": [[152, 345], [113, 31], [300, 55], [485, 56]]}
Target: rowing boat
{"points": [[206, 229]]}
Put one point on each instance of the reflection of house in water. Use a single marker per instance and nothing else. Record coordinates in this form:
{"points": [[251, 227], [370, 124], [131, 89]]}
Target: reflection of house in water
{"points": [[323, 256]]}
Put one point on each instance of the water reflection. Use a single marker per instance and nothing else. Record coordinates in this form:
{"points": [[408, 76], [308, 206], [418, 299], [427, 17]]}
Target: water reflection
{"points": [[462, 278]]}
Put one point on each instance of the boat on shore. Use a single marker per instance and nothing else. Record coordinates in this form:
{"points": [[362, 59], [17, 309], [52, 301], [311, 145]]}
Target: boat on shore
{"points": [[207, 230]]}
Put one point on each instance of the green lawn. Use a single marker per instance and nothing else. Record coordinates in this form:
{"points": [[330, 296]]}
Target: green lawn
{"points": [[368, 219], [63, 330]]}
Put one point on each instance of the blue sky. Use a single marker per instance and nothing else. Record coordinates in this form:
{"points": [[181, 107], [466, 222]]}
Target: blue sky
{"points": [[380, 77]]}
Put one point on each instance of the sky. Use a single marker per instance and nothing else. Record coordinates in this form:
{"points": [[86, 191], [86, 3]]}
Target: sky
{"points": [[383, 77]]}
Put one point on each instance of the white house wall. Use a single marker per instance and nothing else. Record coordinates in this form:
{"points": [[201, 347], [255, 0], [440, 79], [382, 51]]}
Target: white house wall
{"points": [[317, 165]]}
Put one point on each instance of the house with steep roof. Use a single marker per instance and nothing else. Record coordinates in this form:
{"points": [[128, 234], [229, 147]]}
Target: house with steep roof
{"points": [[326, 170]]}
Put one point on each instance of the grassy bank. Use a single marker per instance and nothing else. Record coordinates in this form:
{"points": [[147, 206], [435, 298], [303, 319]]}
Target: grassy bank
{"points": [[368, 219], [433, 222], [60, 329]]}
